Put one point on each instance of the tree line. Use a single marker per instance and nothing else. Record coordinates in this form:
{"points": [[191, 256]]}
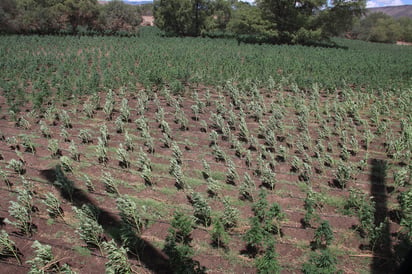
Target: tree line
{"points": [[69, 17], [380, 27], [267, 21]]}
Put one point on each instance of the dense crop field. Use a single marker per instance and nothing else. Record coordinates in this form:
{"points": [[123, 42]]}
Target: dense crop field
{"points": [[158, 155]]}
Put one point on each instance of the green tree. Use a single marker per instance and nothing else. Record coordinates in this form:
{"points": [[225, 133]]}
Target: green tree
{"points": [[81, 12], [249, 25], [406, 29], [181, 17], [116, 16]]}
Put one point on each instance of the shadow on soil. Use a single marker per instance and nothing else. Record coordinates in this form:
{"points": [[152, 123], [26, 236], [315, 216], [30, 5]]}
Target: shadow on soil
{"points": [[141, 250], [388, 257]]}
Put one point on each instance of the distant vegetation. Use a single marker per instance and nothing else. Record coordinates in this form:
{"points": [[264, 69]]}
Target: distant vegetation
{"points": [[380, 27], [69, 17], [269, 21]]}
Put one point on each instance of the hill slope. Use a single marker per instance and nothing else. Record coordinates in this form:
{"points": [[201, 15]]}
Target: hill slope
{"points": [[393, 11]]}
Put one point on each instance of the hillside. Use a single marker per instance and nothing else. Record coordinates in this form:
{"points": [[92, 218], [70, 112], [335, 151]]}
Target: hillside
{"points": [[393, 11]]}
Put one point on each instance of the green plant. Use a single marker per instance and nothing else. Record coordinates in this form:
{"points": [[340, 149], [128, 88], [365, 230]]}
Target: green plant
{"points": [[343, 175], [128, 141], [53, 205], [110, 184], [64, 134], [131, 214], [117, 258], [65, 185], [202, 210], [53, 147], [213, 186], [268, 263], [66, 163], [89, 184], [181, 227], [65, 119], [45, 130], [74, 152], [120, 126], [85, 136], [323, 262], [21, 211], [247, 187], [88, 108], [104, 134], [232, 176], [147, 175], [230, 216], [8, 247], [123, 157], [323, 236], [88, 229], [28, 144], [45, 262], [254, 236], [124, 110], [17, 166], [218, 235], [101, 151]]}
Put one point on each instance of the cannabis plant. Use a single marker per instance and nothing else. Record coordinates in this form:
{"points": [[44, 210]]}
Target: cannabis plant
{"points": [[44, 261], [53, 205], [117, 259], [89, 230], [8, 247]]}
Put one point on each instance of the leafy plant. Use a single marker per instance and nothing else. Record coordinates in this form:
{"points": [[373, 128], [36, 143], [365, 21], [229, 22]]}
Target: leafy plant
{"points": [[85, 136], [123, 157], [8, 247], [323, 262], [219, 236], [131, 214], [323, 236], [28, 144], [53, 147], [268, 263], [45, 262], [17, 166], [247, 187], [53, 205], [111, 185], [117, 258], [202, 210], [21, 211], [88, 229], [230, 216], [74, 152], [66, 163], [65, 119]]}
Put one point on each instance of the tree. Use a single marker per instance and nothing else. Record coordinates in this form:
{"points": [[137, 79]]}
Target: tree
{"points": [[378, 27], [81, 12], [116, 15], [248, 23], [181, 17], [406, 29]]}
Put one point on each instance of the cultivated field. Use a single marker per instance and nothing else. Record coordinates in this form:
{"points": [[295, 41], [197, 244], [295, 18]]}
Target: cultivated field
{"points": [[196, 155]]}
